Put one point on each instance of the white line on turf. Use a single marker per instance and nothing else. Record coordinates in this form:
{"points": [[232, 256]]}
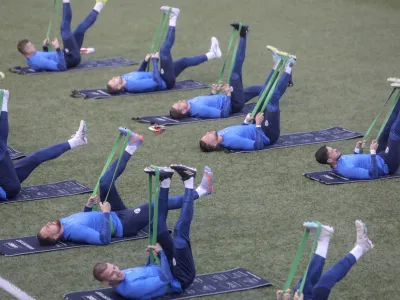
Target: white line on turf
{"points": [[13, 290]]}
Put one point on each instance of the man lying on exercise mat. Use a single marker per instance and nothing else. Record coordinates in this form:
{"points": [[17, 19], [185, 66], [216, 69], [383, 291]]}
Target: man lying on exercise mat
{"points": [[68, 58], [12, 175], [319, 287], [177, 269], [250, 137], [93, 227], [222, 105], [141, 81], [383, 160]]}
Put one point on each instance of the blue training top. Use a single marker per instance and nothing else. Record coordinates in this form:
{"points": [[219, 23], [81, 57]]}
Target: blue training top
{"points": [[91, 227], [47, 61], [149, 281], [243, 137], [142, 82], [210, 106], [361, 166]]}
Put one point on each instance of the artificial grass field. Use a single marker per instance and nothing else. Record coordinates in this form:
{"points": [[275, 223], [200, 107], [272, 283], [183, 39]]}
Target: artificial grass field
{"points": [[346, 50]]}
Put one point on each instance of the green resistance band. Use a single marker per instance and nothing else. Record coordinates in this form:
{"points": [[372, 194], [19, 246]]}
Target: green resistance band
{"points": [[157, 40], [56, 12], [371, 127], [232, 38], [396, 99], [264, 98], [107, 164], [299, 253], [153, 212]]}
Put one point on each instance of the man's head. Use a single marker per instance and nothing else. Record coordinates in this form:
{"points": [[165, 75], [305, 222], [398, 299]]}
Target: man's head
{"points": [[26, 47], [179, 110], [50, 234], [327, 155], [115, 85], [108, 274], [209, 142]]}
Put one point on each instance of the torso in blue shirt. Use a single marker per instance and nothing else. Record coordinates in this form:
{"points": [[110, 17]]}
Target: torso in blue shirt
{"points": [[357, 166], [40, 60], [145, 283], [84, 227], [210, 107], [141, 82], [241, 137]]}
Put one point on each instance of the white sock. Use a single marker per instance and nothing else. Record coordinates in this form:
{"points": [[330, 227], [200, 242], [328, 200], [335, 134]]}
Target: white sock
{"points": [[276, 64], [74, 142], [202, 192], [131, 149], [189, 183], [172, 21], [357, 251], [210, 55], [165, 184], [288, 69], [4, 106], [98, 6], [65, 1], [322, 247]]}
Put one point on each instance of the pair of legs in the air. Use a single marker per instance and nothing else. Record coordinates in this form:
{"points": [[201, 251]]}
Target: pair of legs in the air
{"points": [[271, 124], [389, 141], [73, 40], [12, 175], [177, 249], [318, 286], [135, 219], [171, 69]]}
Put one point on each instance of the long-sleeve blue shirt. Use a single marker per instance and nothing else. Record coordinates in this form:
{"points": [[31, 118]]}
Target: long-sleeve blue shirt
{"points": [[142, 82], [243, 137], [91, 227], [47, 61], [210, 107], [361, 166], [149, 282]]}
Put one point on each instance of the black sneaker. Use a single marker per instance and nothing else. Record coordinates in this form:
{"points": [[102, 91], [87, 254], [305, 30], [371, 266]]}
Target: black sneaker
{"points": [[165, 172], [184, 171], [243, 31]]}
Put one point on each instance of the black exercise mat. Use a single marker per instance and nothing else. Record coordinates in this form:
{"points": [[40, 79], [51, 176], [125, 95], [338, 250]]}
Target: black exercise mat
{"points": [[235, 280], [307, 138], [330, 178], [167, 120], [15, 154], [50, 190], [85, 65], [102, 93], [30, 244]]}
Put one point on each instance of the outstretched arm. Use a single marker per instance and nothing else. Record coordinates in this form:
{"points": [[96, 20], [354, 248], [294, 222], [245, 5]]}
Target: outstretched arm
{"points": [[143, 66]]}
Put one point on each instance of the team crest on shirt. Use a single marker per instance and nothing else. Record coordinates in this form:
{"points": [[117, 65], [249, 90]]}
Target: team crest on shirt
{"points": [[266, 123], [137, 210], [387, 150]]}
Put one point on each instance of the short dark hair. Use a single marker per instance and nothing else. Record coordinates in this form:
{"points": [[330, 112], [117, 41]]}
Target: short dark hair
{"points": [[322, 155], [207, 147], [22, 45], [176, 114], [98, 269], [46, 241]]}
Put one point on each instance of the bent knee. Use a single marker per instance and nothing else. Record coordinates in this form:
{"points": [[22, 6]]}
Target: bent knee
{"points": [[12, 190]]}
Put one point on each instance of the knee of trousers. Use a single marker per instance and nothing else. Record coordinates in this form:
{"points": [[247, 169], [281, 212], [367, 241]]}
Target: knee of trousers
{"points": [[12, 190], [181, 239]]}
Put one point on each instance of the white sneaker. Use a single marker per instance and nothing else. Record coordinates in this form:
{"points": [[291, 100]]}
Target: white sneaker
{"points": [[362, 236], [393, 79], [395, 84], [80, 136], [214, 48], [326, 231], [174, 11]]}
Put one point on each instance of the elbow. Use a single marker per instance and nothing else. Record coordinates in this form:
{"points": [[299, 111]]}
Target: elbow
{"points": [[105, 241]]}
